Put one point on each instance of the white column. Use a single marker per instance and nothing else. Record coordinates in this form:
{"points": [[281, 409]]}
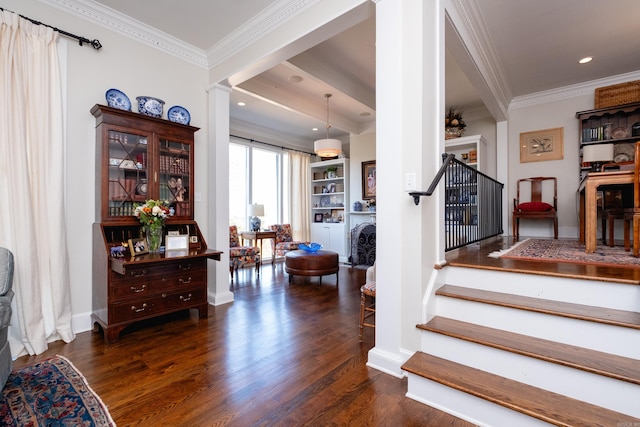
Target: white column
{"points": [[217, 197], [409, 139], [502, 171]]}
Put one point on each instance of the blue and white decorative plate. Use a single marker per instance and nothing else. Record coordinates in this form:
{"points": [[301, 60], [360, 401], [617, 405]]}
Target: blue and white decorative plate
{"points": [[117, 99], [178, 114], [150, 106]]}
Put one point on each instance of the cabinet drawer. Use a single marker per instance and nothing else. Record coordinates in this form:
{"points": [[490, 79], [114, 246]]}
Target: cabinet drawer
{"points": [[152, 306], [154, 284], [156, 269]]}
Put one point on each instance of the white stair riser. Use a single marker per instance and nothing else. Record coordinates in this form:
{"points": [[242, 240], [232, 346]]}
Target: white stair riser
{"points": [[620, 396], [465, 406], [596, 336], [587, 292]]}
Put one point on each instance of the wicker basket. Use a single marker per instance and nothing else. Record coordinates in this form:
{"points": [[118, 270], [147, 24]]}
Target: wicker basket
{"points": [[620, 94]]}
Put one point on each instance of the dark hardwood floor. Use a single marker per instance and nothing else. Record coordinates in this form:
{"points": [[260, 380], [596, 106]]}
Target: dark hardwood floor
{"points": [[476, 256], [280, 355]]}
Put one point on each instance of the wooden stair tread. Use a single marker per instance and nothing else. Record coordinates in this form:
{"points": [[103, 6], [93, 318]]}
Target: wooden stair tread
{"points": [[544, 405], [608, 316], [597, 362]]}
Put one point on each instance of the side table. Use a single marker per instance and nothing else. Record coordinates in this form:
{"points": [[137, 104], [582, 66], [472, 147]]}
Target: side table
{"points": [[259, 236]]}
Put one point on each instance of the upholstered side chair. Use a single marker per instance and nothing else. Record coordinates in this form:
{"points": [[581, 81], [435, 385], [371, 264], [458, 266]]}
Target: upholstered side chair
{"points": [[240, 255], [6, 295], [284, 239]]}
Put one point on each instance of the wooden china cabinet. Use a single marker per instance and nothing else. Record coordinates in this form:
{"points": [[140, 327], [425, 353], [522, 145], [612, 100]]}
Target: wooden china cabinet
{"points": [[140, 157]]}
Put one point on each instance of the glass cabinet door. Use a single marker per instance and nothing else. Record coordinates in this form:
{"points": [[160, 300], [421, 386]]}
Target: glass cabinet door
{"points": [[175, 175], [128, 163]]}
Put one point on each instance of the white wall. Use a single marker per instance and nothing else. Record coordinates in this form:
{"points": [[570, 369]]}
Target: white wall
{"points": [[362, 149], [480, 122], [135, 69], [545, 115]]}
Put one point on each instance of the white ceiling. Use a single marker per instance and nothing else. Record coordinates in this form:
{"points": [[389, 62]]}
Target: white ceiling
{"points": [[537, 44]]}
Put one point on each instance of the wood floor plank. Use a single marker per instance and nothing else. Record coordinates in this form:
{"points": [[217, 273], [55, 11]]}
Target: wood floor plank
{"points": [[280, 354]]}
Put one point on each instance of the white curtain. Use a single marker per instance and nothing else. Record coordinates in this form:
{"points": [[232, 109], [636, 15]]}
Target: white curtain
{"points": [[299, 205], [32, 217]]}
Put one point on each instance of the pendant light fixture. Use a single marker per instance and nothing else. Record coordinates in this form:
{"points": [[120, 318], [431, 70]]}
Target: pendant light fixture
{"points": [[327, 147]]}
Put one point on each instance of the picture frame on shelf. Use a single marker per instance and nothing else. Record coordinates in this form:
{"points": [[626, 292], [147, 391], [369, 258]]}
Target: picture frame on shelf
{"points": [[369, 180], [138, 247], [318, 217], [542, 145]]}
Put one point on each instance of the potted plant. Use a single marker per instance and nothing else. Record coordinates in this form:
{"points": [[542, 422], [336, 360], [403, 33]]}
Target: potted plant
{"points": [[332, 172], [453, 124]]}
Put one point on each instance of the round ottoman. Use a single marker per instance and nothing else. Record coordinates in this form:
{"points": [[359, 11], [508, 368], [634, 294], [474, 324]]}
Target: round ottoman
{"points": [[303, 263]]}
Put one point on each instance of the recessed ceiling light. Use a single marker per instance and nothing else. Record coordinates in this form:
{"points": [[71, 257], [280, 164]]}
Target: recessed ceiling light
{"points": [[585, 60], [315, 129], [242, 104], [295, 79]]}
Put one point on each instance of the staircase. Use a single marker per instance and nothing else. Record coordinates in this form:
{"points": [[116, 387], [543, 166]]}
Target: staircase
{"points": [[513, 349]]}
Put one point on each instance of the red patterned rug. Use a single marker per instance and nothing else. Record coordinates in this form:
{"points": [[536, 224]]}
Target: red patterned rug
{"points": [[549, 250], [51, 393]]}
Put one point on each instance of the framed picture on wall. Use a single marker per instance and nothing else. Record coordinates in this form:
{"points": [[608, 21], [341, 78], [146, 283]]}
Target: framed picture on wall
{"points": [[369, 180], [541, 145]]}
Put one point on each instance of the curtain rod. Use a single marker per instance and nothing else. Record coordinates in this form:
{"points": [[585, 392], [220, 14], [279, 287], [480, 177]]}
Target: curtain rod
{"points": [[272, 145], [95, 43]]}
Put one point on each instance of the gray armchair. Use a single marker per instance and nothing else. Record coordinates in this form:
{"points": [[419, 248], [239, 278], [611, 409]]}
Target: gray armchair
{"points": [[6, 295]]}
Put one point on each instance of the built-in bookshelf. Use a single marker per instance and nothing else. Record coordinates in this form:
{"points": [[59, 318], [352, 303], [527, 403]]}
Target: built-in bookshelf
{"points": [[330, 204]]}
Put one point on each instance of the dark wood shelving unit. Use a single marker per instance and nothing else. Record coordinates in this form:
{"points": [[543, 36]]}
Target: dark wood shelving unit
{"points": [[135, 157]]}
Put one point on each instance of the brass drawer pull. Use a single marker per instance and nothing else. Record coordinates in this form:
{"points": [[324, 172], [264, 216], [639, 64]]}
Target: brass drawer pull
{"points": [[185, 282], [188, 298], [138, 310], [136, 273], [187, 267], [136, 290]]}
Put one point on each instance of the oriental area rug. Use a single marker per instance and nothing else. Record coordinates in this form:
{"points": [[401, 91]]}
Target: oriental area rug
{"points": [[51, 393], [548, 250]]}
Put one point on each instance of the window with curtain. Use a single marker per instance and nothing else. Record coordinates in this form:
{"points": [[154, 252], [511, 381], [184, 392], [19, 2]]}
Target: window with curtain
{"points": [[256, 175]]}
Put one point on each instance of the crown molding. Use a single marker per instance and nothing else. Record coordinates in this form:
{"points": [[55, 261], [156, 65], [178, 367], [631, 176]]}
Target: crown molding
{"points": [[131, 28], [255, 28], [469, 24], [586, 88]]}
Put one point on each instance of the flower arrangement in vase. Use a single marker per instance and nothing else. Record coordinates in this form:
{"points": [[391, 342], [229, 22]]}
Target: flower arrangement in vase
{"points": [[453, 124], [152, 215]]}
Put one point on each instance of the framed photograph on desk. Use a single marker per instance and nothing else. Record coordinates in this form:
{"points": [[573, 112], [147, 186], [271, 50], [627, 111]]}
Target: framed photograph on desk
{"points": [[138, 247], [179, 242]]}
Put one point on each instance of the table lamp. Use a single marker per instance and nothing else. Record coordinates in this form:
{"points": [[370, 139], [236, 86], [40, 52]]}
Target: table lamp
{"points": [[255, 211], [597, 154]]}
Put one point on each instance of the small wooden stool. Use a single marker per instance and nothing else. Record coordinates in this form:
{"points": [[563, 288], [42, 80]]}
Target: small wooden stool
{"points": [[303, 263]]}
